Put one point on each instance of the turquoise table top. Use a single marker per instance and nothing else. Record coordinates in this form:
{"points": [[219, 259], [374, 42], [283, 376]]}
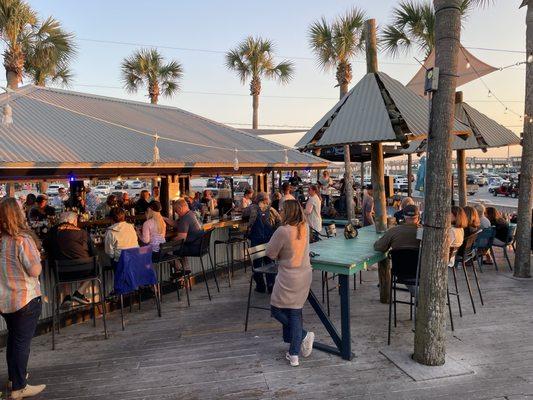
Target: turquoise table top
{"points": [[347, 256]]}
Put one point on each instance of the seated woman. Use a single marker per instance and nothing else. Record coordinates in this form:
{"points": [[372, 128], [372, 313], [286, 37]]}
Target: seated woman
{"points": [[119, 236], [289, 245], [67, 241], [459, 223], [502, 226], [472, 225], [154, 228]]}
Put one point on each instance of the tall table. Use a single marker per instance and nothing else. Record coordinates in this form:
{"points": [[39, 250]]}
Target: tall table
{"points": [[344, 257]]}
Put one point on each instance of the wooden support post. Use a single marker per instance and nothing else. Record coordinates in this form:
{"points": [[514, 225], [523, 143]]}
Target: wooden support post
{"points": [[348, 184], [273, 183], [409, 175], [280, 179], [461, 177]]}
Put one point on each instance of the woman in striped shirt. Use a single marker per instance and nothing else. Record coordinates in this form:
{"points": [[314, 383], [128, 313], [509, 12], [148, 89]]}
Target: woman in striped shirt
{"points": [[20, 294]]}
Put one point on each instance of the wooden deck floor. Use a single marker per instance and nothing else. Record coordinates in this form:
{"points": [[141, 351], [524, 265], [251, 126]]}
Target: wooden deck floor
{"points": [[201, 352]]}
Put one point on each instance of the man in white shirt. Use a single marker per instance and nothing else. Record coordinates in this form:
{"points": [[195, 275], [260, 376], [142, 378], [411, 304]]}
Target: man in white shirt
{"points": [[312, 211], [61, 198], [286, 188]]}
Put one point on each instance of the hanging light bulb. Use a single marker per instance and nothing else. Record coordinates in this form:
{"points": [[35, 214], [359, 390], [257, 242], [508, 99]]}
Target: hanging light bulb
{"points": [[236, 161], [530, 58], [286, 157], [489, 94], [7, 116], [531, 120], [505, 112], [155, 157], [468, 65]]}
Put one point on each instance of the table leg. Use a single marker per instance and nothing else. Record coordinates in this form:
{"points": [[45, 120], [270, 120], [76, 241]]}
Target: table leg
{"points": [[346, 337], [384, 271]]}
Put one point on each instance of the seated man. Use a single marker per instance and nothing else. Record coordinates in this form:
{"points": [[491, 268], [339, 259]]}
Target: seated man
{"points": [[406, 201], [187, 227], [104, 209], [121, 235], [402, 236], [67, 241], [41, 210], [142, 204]]}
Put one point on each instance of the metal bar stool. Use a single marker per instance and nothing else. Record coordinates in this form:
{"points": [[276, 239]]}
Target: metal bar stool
{"points": [[235, 237], [77, 271]]}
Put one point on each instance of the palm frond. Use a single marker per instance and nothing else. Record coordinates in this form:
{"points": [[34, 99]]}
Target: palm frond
{"points": [[283, 72], [394, 40], [321, 43]]}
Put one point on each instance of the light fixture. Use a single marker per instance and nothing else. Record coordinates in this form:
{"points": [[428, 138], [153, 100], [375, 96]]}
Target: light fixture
{"points": [[286, 157], [505, 111], [531, 120], [489, 94], [468, 65], [530, 58], [236, 161]]}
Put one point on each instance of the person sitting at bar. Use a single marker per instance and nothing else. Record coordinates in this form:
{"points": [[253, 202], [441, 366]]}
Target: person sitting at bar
{"points": [[247, 198], [121, 235], [125, 201], [312, 211], [154, 228], [66, 241], [457, 230], [196, 203], [368, 206], [104, 209], [31, 199], [41, 210], [286, 188], [155, 193], [142, 204], [209, 200], [276, 200], [61, 199], [406, 201], [262, 222], [502, 226], [484, 222], [187, 227], [401, 236], [91, 200], [20, 294]]}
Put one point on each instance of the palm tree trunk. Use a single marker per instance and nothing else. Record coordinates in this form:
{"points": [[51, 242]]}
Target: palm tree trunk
{"points": [[153, 91], [522, 267], [255, 111], [14, 65], [344, 77], [430, 337]]}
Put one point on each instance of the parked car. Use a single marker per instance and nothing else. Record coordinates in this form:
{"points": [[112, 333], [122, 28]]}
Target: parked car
{"points": [[482, 180], [400, 183], [137, 185], [101, 190], [119, 185], [496, 182], [54, 189], [507, 189]]}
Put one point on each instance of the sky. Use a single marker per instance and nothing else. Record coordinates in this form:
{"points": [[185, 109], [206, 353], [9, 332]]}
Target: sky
{"points": [[197, 33]]}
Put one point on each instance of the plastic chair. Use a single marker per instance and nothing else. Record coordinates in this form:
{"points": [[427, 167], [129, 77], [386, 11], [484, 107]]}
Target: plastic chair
{"points": [[200, 252], [270, 268], [484, 244], [76, 271], [133, 271], [510, 239]]}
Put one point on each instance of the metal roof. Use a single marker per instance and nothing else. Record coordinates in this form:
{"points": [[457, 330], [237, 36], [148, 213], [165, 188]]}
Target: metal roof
{"points": [[54, 127], [487, 133], [362, 115]]}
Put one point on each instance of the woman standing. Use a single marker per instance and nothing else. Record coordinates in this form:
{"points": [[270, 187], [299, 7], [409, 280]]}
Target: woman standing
{"points": [[325, 182], [20, 294], [312, 210], [290, 247], [154, 228]]}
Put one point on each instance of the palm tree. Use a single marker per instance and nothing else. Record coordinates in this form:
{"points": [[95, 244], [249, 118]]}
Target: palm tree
{"points": [[146, 67], [253, 59], [17, 20], [413, 24], [337, 43], [48, 54], [430, 335]]}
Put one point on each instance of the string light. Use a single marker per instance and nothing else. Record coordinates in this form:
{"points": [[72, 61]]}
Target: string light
{"points": [[489, 94], [468, 65], [236, 161], [155, 157], [286, 157], [530, 58]]}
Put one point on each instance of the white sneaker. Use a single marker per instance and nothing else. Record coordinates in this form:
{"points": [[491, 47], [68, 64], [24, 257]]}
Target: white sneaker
{"points": [[307, 344], [28, 391], [293, 360]]}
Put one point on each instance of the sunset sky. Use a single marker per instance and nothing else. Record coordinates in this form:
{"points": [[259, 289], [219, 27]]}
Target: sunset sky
{"points": [[197, 33]]}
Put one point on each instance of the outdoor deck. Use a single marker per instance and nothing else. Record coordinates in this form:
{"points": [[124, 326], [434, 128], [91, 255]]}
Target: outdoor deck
{"points": [[202, 353]]}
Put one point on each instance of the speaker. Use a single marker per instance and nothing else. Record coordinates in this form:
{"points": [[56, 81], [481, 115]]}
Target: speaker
{"points": [[389, 186]]}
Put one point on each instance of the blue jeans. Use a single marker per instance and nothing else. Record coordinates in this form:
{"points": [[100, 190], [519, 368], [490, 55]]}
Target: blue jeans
{"points": [[292, 322], [20, 330]]}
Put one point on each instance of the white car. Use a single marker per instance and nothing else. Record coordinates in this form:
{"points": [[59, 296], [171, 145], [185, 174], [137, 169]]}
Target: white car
{"points": [[101, 190], [136, 185], [53, 190]]}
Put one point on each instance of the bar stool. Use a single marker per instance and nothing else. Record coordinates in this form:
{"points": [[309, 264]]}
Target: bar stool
{"points": [[170, 253], [72, 272], [235, 237], [466, 257]]}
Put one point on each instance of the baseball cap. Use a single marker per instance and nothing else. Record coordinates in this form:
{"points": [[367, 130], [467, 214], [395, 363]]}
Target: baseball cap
{"points": [[411, 211]]}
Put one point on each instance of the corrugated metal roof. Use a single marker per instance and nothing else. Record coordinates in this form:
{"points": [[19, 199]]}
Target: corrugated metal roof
{"points": [[490, 133], [48, 129], [362, 116]]}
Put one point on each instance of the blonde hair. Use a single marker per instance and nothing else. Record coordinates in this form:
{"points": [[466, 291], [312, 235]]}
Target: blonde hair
{"points": [[293, 215], [460, 217], [472, 217], [407, 201], [159, 221], [12, 220]]}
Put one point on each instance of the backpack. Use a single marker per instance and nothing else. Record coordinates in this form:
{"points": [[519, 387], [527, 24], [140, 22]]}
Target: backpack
{"points": [[262, 230]]}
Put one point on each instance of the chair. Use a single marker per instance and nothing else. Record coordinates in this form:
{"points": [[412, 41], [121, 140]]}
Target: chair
{"points": [[133, 271], [271, 268], [510, 239], [235, 237], [453, 253], [170, 253], [466, 257], [484, 244], [405, 271], [200, 252], [76, 271]]}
